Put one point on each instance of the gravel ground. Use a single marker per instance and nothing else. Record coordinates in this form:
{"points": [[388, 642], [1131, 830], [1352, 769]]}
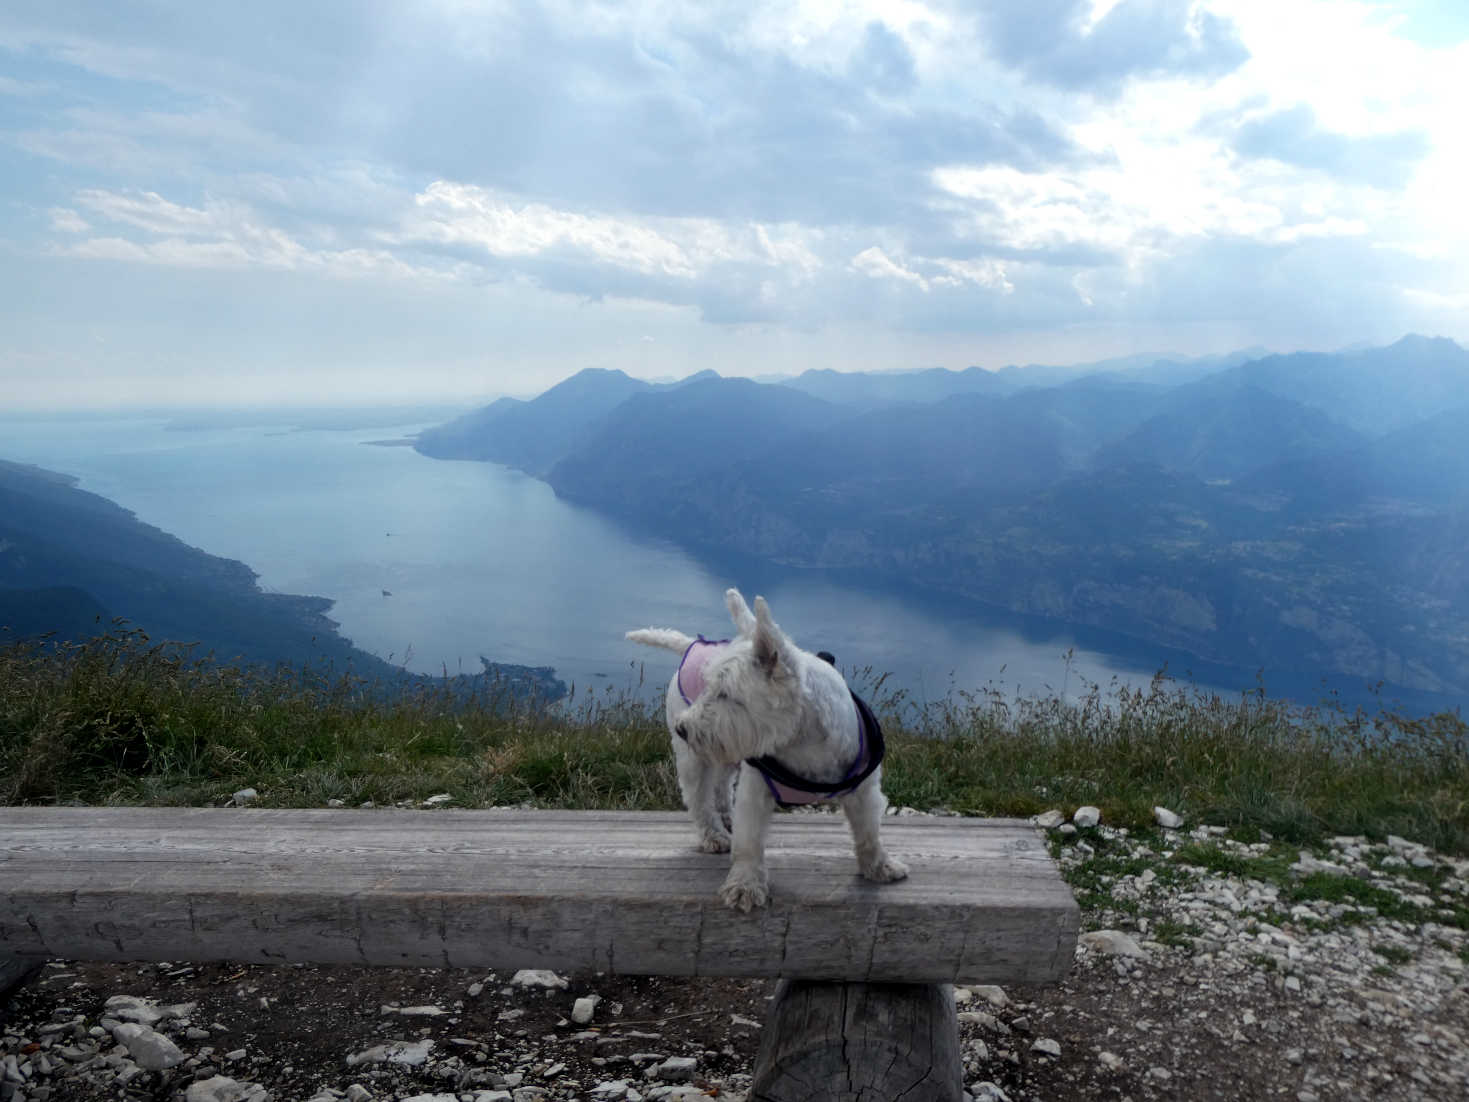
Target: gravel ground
{"points": [[1211, 969]]}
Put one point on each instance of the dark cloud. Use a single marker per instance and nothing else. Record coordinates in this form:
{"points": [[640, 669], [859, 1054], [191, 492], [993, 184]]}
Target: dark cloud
{"points": [[1045, 40], [1294, 137]]}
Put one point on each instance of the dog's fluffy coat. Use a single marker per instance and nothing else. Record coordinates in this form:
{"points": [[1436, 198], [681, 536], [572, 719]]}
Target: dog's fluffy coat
{"points": [[764, 695]]}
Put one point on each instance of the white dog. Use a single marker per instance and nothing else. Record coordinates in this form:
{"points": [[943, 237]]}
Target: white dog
{"points": [[759, 708]]}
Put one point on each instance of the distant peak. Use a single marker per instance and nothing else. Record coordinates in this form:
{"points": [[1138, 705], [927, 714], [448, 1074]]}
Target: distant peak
{"points": [[599, 373], [1420, 340]]}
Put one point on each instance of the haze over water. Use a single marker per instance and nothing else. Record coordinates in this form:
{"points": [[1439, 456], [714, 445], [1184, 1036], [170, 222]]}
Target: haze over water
{"points": [[478, 560]]}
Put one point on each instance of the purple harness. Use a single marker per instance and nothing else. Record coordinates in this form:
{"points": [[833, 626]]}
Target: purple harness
{"points": [[789, 789]]}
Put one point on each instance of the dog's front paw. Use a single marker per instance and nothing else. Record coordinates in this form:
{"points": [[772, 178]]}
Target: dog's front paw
{"points": [[714, 843], [744, 891], [885, 870]]}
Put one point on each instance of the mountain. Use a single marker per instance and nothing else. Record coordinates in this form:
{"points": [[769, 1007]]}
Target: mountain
{"points": [[70, 561], [1425, 464], [1223, 428], [872, 389], [654, 454], [1307, 512], [1374, 391], [532, 435], [68, 612]]}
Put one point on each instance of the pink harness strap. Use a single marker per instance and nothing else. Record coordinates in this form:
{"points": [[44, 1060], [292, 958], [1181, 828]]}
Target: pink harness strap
{"points": [[691, 670]]}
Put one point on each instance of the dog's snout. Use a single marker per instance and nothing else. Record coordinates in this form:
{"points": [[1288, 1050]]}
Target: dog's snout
{"points": [[681, 731]]}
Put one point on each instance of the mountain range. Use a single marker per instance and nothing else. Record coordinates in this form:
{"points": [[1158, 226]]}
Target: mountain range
{"points": [[1306, 512]]}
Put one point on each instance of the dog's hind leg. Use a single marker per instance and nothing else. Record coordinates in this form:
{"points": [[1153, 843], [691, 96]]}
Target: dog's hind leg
{"points": [[863, 810], [705, 790]]}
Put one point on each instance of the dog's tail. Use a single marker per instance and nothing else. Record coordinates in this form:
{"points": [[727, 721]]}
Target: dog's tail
{"points": [[667, 638]]}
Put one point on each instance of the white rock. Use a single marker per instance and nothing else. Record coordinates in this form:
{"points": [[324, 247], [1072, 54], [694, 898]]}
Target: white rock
{"points": [[416, 1011], [151, 1051], [244, 797], [439, 800], [1049, 820], [677, 1069], [1044, 1046], [989, 1092], [1087, 817], [132, 1008], [584, 1008], [1066, 830], [438, 1097], [991, 994], [1167, 819], [538, 977], [1308, 864], [1109, 1060], [1113, 943], [408, 1054], [358, 1093], [221, 1088]]}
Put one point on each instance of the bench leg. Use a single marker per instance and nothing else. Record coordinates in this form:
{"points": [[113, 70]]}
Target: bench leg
{"points": [[859, 1042], [14, 971]]}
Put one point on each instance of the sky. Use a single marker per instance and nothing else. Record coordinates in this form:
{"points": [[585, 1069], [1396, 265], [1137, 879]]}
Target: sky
{"points": [[361, 201]]}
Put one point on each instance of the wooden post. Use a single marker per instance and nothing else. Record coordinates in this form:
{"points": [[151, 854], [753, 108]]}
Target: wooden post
{"points": [[859, 1042], [14, 971]]}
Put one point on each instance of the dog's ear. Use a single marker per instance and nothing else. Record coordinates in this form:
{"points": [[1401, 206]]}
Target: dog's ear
{"points": [[739, 612], [768, 639]]}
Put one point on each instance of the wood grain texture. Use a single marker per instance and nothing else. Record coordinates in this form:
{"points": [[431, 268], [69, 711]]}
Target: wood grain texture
{"points": [[611, 891], [859, 1042]]}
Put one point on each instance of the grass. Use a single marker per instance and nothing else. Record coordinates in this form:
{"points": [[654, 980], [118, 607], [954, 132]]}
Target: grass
{"points": [[120, 719]]}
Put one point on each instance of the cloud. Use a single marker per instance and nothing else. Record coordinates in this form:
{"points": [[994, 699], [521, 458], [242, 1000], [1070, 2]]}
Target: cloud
{"points": [[1058, 42], [216, 235], [67, 221], [900, 167], [1293, 136], [884, 62]]}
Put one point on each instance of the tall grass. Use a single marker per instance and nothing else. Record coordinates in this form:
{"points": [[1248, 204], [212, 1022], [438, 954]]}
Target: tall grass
{"points": [[120, 719]]}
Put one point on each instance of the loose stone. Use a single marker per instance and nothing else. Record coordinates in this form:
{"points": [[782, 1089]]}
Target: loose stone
{"points": [[1166, 819]]}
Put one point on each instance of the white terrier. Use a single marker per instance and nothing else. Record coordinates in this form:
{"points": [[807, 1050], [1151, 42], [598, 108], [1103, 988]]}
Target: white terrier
{"points": [[759, 708]]}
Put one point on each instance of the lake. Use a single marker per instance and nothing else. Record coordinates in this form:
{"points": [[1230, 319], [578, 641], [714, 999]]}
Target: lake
{"points": [[433, 563]]}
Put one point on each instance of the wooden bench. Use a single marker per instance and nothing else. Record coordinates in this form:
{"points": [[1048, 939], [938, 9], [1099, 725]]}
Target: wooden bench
{"points": [[863, 1011]]}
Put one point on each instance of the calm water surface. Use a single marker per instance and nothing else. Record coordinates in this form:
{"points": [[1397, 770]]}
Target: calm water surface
{"points": [[482, 560]]}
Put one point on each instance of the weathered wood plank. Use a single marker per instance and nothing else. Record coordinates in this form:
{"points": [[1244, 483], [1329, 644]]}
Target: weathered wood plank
{"points": [[611, 891], [859, 1042]]}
